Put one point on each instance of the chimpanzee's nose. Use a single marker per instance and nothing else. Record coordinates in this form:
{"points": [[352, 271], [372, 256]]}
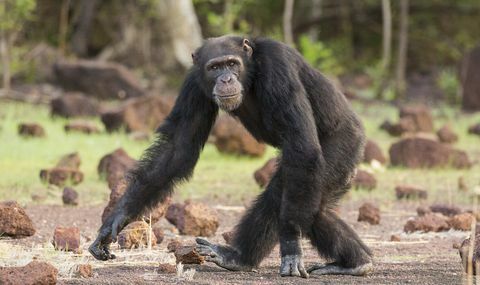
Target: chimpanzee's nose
{"points": [[226, 78]]}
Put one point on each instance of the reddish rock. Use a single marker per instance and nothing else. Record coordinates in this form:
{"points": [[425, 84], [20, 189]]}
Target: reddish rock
{"points": [[427, 223], [395, 238], [84, 271], [369, 213], [445, 210], [228, 236], [265, 173], [405, 125], [136, 235], [67, 239], [474, 130], [70, 196], [14, 221], [140, 114], [364, 180], [188, 255], [61, 176], [102, 80], [173, 245], [30, 130], [419, 152], [232, 137], [167, 268], [81, 127], [410, 192], [461, 222], [420, 115], [114, 166], [446, 135], [34, 273], [159, 235], [373, 152], [195, 219], [470, 80], [74, 105], [423, 210], [71, 160]]}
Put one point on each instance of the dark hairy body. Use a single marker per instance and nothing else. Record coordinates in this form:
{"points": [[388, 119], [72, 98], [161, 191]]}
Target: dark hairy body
{"points": [[284, 102]]}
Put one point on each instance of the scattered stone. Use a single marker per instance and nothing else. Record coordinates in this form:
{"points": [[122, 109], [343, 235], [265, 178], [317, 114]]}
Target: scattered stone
{"points": [[474, 130], [159, 235], [395, 238], [84, 271], [461, 222], [61, 176], [71, 160], [31, 130], [265, 173], [420, 115], [228, 236], [188, 255], [445, 210], [195, 219], [136, 235], [34, 273], [14, 221], [427, 223], [364, 180], [403, 126], [410, 192], [140, 114], [470, 80], [82, 127], [462, 185], [373, 152], [167, 268], [423, 210], [232, 137], [113, 166], [102, 80], [74, 105], [173, 245], [67, 239], [369, 213], [446, 135], [70, 196], [419, 152]]}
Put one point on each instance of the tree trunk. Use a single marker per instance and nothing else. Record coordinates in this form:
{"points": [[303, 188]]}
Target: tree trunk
{"points": [[287, 22], [400, 84], [4, 54], [387, 47], [83, 25], [315, 13], [63, 26]]}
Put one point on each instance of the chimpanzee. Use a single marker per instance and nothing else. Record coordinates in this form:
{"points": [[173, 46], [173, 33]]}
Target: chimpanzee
{"points": [[284, 102]]}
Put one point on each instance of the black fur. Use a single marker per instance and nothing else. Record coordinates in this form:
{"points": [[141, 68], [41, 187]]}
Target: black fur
{"points": [[286, 104]]}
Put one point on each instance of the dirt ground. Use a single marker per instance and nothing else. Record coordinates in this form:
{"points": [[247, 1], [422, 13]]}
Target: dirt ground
{"points": [[416, 259]]}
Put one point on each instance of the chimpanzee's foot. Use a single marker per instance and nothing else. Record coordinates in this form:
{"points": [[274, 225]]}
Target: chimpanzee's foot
{"points": [[292, 265], [223, 256], [335, 269]]}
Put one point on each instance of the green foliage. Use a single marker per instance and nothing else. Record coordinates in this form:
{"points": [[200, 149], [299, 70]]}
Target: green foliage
{"points": [[447, 80], [13, 13], [319, 56]]}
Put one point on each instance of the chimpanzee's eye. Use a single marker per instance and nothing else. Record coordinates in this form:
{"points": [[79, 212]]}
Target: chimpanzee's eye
{"points": [[214, 67], [231, 63]]}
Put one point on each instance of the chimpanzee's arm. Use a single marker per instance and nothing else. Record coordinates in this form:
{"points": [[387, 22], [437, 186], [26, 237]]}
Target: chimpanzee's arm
{"points": [[169, 160]]}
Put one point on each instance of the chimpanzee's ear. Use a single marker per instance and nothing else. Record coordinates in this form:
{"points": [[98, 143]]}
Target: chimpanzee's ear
{"points": [[247, 47]]}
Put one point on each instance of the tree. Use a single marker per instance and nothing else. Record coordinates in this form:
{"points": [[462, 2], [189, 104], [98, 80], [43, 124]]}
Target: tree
{"points": [[13, 14], [400, 84], [387, 47], [287, 22]]}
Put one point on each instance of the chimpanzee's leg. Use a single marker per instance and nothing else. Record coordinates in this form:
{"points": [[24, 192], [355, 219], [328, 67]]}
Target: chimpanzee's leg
{"points": [[336, 241], [255, 235]]}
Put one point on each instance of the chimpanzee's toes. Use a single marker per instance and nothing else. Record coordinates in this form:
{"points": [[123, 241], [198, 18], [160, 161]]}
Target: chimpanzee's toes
{"points": [[292, 265]]}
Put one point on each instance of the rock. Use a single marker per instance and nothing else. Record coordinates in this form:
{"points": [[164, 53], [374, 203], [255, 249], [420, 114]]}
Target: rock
{"points": [[461, 222], [136, 235], [31, 130], [34, 273], [14, 221], [188, 255], [373, 152], [67, 239], [446, 135], [159, 235], [138, 115], [232, 137], [395, 238], [369, 213], [113, 166], [405, 125], [470, 80], [474, 130], [365, 180], [264, 174], [422, 211], [74, 105], [445, 210], [102, 80], [61, 176], [167, 268], [84, 271], [410, 192], [228, 236], [419, 152], [81, 127], [420, 115], [427, 223], [195, 219], [70, 196], [173, 245], [71, 160]]}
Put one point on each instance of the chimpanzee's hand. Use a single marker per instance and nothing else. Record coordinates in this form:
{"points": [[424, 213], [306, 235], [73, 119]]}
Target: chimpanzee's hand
{"points": [[107, 234]]}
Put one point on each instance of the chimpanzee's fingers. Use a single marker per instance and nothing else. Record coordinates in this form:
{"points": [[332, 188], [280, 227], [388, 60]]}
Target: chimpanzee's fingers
{"points": [[97, 250]]}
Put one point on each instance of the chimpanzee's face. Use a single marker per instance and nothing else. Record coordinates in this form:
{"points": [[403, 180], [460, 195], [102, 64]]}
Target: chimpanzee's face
{"points": [[222, 64]]}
